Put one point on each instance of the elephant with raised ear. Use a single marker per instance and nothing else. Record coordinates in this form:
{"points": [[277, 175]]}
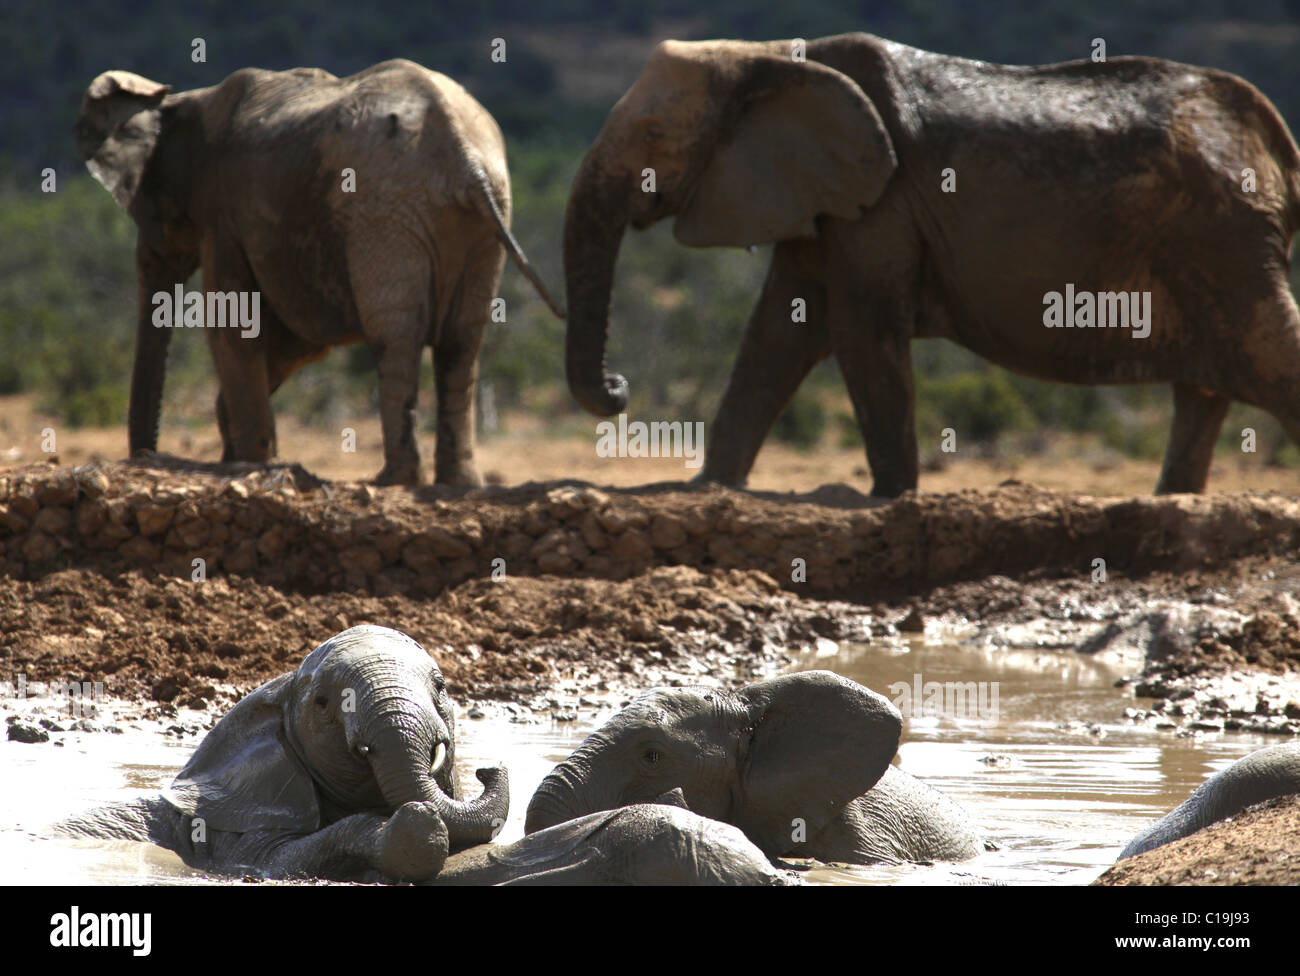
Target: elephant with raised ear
{"points": [[1263, 775], [914, 195], [341, 770], [321, 210], [800, 763]]}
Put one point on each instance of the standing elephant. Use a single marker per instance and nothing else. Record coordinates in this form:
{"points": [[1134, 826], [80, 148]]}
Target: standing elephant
{"points": [[1263, 775], [800, 763], [371, 208], [914, 195], [341, 770]]}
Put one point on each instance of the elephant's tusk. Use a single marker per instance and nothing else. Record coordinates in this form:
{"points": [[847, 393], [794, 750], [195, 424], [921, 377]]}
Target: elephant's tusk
{"points": [[439, 757], [363, 749]]}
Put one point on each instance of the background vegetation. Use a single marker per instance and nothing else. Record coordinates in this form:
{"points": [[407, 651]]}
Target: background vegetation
{"points": [[66, 269]]}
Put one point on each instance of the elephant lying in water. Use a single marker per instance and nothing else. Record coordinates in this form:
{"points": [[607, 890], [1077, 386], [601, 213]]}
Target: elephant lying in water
{"points": [[800, 763], [649, 843], [341, 770], [1263, 775]]}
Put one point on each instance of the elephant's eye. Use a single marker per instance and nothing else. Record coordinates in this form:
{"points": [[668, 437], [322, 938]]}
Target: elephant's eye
{"points": [[651, 757], [440, 683], [322, 700]]}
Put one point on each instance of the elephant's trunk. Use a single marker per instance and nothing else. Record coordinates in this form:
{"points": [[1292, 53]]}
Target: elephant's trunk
{"points": [[593, 229], [408, 762], [152, 276], [559, 798]]}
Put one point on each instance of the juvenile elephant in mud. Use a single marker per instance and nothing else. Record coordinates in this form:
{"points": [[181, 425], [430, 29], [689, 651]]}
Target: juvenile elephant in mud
{"points": [[341, 770], [370, 208], [1263, 775], [800, 763], [646, 844], [915, 195]]}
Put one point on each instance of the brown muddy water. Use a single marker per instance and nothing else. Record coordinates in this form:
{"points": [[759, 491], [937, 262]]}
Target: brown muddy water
{"points": [[1043, 759]]}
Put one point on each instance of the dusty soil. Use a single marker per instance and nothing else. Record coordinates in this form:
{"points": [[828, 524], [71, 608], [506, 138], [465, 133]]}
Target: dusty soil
{"points": [[1257, 847]]}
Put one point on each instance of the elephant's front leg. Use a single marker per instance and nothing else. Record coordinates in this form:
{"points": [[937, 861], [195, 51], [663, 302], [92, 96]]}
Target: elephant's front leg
{"points": [[786, 338], [411, 845]]}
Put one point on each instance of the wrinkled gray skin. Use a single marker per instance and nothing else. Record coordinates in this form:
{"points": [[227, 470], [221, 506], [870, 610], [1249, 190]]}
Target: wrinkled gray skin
{"points": [[326, 772], [811, 748], [1124, 175], [645, 844], [1261, 776], [246, 181]]}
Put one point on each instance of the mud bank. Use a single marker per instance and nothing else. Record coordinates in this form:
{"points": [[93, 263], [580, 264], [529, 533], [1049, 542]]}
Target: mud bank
{"points": [[283, 527], [542, 594], [1255, 848]]}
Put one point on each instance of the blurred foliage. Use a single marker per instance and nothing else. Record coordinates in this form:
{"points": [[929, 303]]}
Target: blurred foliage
{"points": [[67, 289]]}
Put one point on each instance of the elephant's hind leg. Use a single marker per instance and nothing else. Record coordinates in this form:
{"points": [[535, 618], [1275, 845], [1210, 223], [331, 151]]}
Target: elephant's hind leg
{"points": [[1198, 416]]}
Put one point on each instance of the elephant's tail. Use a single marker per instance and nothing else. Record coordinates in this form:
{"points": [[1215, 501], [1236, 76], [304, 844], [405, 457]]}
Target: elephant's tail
{"points": [[486, 202]]}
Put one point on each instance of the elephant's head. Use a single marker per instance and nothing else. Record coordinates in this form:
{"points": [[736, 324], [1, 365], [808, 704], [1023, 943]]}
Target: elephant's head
{"points": [[364, 724], [742, 143], [135, 139], [778, 755]]}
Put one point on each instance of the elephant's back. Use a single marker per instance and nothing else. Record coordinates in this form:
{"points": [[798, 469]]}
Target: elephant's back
{"points": [[1263, 775], [903, 819]]}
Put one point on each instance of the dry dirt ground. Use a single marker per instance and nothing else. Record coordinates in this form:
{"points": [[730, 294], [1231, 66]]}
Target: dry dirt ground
{"points": [[186, 582]]}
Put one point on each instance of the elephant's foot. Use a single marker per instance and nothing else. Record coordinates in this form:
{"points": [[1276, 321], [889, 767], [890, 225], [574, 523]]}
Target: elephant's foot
{"points": [[400, 474], [726, 479], [459, 476], [413, 843]]}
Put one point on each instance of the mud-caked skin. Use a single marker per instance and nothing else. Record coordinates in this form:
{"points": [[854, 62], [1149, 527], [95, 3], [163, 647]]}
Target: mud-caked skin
{"points": [[373, 208], [915, 195], [645, 844], [341, 770], [1263, 775], [800, 763]]}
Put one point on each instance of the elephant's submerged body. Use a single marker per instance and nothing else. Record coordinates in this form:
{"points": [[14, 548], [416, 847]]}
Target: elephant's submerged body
{"points": [[912, 194], [370, 208], [1263, 775], [646, 844]]}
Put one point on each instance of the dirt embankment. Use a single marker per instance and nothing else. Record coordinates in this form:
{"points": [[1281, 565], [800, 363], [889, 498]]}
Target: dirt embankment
{"points": [[517, 590], [283, 527], [1257, 847]]}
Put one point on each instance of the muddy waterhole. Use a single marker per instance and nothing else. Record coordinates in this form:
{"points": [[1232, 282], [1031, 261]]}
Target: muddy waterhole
{"points": [[1041, 755]]}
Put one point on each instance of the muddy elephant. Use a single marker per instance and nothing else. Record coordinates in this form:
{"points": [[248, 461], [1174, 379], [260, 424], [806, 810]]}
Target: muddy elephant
{"points": [[645, 844], [341, 770], [322, 211], [800, 763], [1263, 775], [1012, 210]]}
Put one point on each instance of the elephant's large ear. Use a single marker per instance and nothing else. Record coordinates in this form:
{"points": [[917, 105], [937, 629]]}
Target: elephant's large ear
{"points": [[807, 141], [818, 741], [117, 130], [244, 776]]}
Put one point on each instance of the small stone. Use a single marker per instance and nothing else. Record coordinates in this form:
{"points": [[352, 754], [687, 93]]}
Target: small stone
{"points": [[913, 623], [51, 726], [24, 731], [475, 712]]}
